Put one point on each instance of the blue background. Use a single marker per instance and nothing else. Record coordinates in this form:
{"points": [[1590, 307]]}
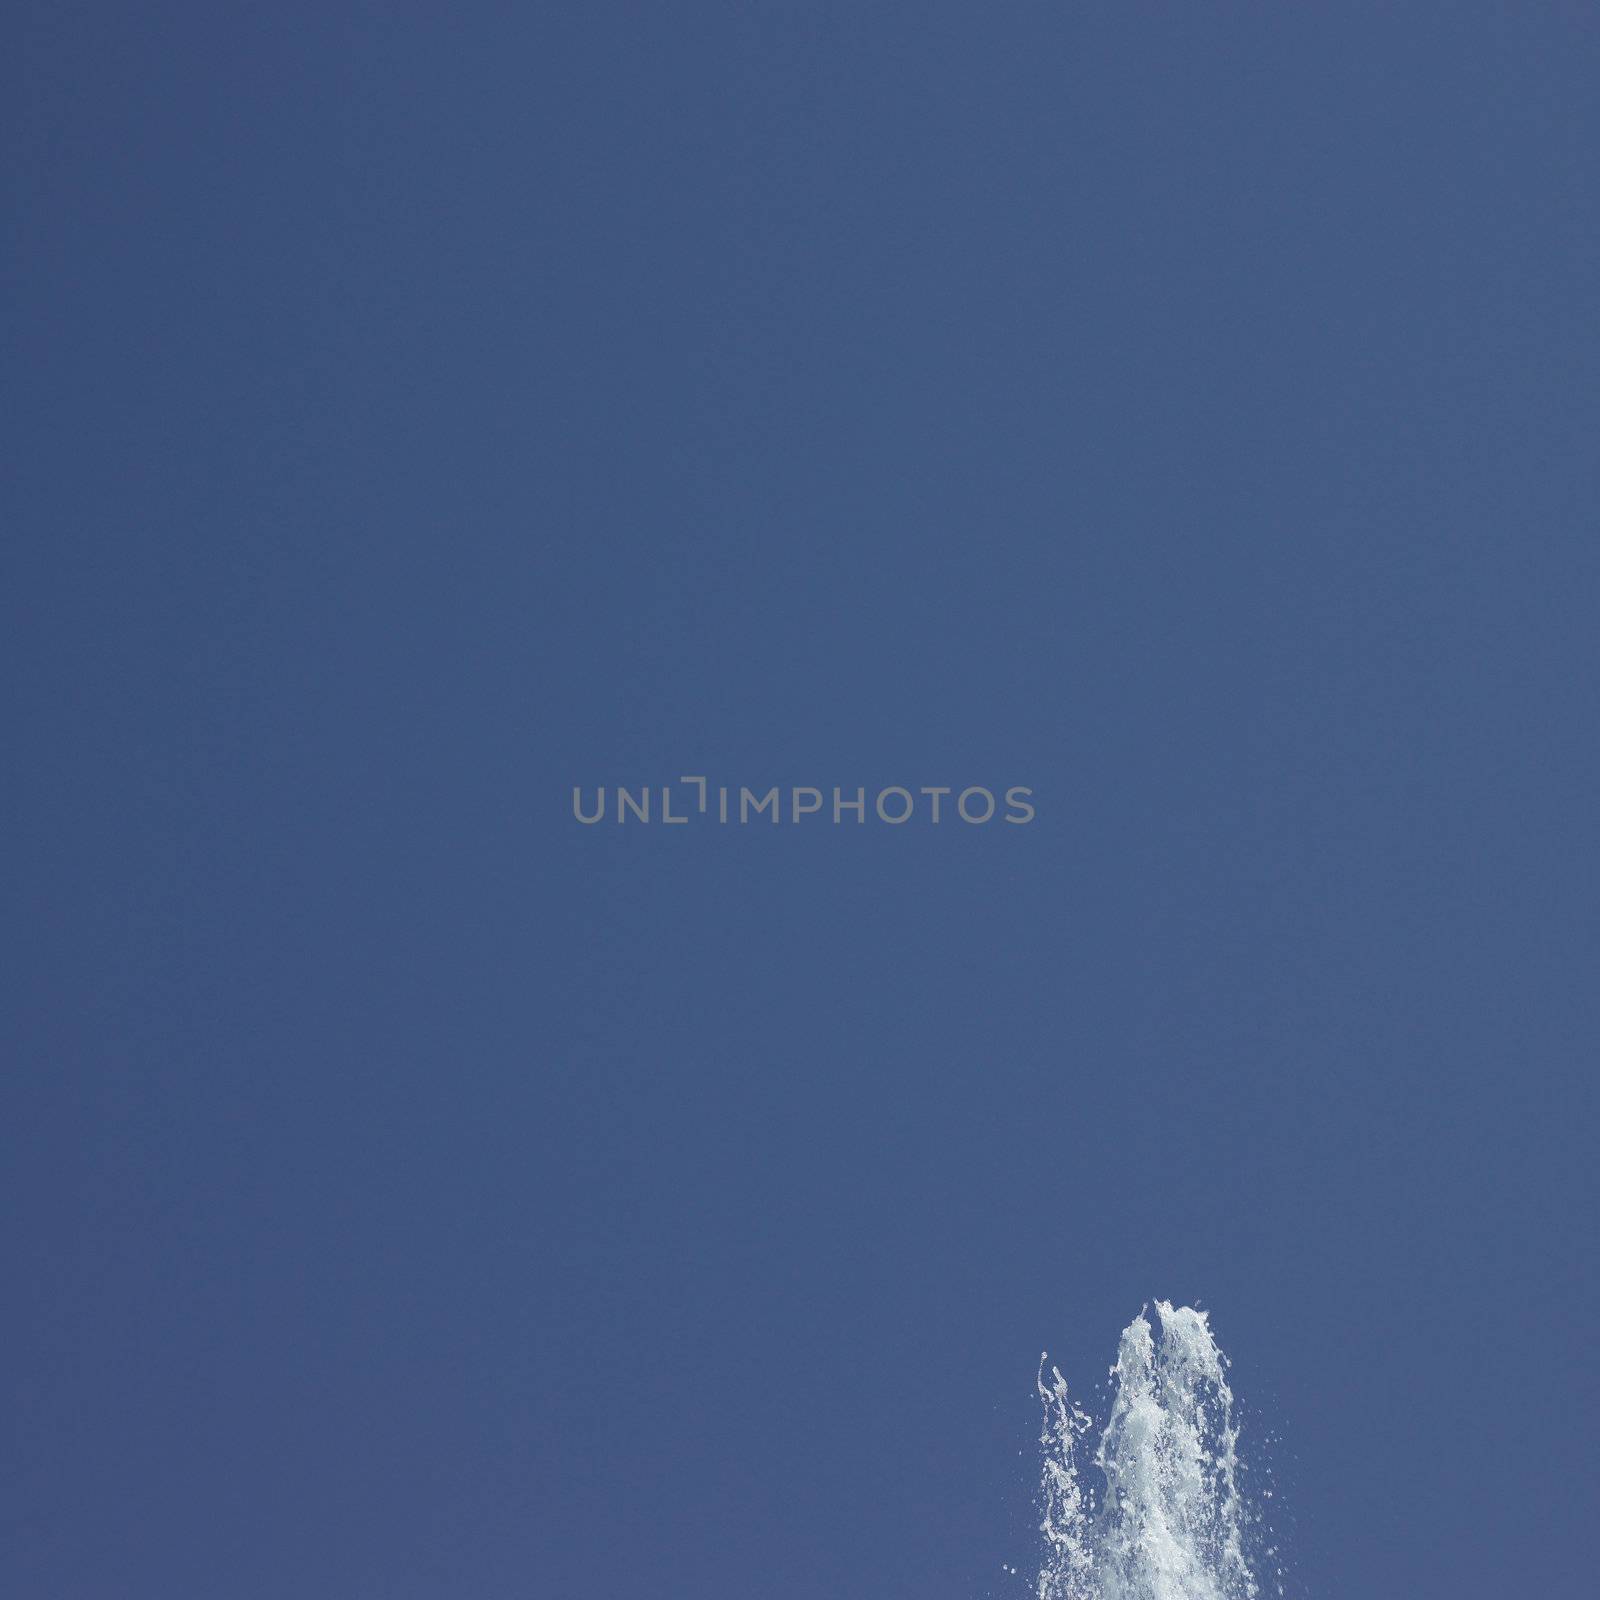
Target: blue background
{"points": [[1187, 411]]}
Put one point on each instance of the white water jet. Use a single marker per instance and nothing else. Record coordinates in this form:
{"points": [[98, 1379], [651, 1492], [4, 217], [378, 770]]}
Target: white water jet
{"points": [[1166, 1521]]}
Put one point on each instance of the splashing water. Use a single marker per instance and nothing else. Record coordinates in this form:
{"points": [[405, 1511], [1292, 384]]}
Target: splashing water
{"points": [[1168, 1522]]}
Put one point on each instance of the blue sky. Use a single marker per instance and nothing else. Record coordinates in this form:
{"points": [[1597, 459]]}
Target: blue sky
{"points": [[1185, 411]]}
